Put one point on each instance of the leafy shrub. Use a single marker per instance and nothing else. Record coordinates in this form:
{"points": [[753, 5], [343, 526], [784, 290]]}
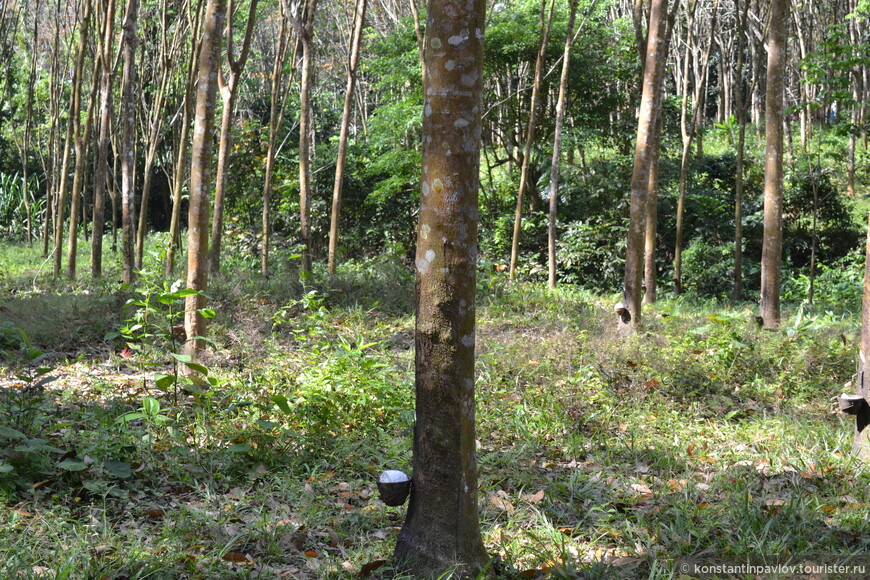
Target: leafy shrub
{"points": [[708, 268]]}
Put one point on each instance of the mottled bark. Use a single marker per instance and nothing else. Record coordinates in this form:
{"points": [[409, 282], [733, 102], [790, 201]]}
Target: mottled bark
{"points": [[771, 250], [353, 60], [441, 531], [128, 146], [200, 174], [630, 311], [557, 145]]}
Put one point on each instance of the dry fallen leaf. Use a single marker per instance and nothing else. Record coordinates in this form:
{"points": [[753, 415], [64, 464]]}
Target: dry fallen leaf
{"points": [[535, 498], [502, 504]]}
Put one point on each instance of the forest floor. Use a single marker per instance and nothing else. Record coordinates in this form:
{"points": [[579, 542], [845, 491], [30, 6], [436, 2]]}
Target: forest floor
{"points": [[600, 456]]}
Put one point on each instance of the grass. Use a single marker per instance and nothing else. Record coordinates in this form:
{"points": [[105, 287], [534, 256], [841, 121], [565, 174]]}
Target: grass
{"points": [[599, 456]]}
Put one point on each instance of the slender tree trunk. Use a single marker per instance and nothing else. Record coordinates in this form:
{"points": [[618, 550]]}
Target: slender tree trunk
{"points": [[441, 531], [740, 110], [557, 145], [181, 158], [629, 309], [306, 33], [200, 175], [73, 129], [25, 148], [228, 91], [128, 146], [155, 123], [356, 38], [771, 252], [276, 113], [530, 134], [688, 134], [106, 73]]}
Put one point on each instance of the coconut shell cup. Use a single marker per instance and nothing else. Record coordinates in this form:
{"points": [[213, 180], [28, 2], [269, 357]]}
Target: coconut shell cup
{"points": [[394, 493]]}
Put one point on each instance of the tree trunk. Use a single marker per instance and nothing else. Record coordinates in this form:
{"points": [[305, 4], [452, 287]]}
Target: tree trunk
{"points": [[128, 146], [741, 107], [557, 145], [688, 134], [102, 169], [306, 33], [630, 309], [530, 135], [200, 175], [228, 91], [181, 158], [356, 38], [441, 531], [276, 114], [771, 252]]}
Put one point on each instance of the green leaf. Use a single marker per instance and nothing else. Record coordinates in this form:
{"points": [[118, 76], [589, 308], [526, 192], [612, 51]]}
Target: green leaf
{"points": [[11, 433], [267, 425], [126, 418], [197, 367], [111, 335], [72, 465], [239, 448], [282, 403], [150, 406], [182, 358], [164, 382], [206, 312], [117, 469], [5, 467]]}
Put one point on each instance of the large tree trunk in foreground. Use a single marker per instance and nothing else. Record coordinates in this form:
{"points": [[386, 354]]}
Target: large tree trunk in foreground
{"points": [[441, 531], [306, 132], [771, 249], [200, 174], [630, 309]]}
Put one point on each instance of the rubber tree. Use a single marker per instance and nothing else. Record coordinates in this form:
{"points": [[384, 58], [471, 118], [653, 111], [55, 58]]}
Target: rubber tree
{"points": [[341, 156], [557, 147], [629, 310], [771, 249], [546, 21], [128, 145], [102, 163], [441, 531], [229, 85], [200, 175]]}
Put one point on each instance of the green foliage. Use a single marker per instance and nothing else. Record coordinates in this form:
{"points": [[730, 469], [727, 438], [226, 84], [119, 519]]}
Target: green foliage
{"points": [[708, 269], [13, 209]]}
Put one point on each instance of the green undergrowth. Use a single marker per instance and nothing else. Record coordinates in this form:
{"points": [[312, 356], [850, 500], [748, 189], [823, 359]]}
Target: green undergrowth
{"points": [[600, 455]]}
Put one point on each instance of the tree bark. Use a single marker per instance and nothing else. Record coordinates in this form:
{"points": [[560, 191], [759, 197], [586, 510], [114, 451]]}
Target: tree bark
{"points": [[441, 531], [530, 135], [305, 31], [557, 145], [771, 251], [181, 158], [200, 175], [356, 38], [630, 309], [128, 146], [102, 162]]}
